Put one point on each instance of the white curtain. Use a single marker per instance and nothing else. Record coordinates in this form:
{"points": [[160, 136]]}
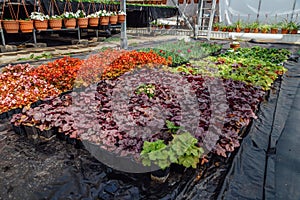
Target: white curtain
{"points": [[266, 11]]}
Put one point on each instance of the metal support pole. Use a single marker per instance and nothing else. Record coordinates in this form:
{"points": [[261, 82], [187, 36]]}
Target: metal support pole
{"points": [[294, 6], [124, 44], [212, 15], [78, 31], [34, 36], [2, 37], [258, 10]]}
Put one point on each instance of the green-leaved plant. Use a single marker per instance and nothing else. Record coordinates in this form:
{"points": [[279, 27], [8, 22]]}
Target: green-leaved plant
{"points": [[181, 150]]}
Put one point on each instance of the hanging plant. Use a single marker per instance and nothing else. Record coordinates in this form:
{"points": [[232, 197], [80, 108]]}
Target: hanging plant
{"points": [[40, 20], [82, 20], [121, 16]]}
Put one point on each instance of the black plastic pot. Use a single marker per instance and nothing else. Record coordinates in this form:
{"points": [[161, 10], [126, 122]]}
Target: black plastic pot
{"points": [[160, 175], [20, 130]]}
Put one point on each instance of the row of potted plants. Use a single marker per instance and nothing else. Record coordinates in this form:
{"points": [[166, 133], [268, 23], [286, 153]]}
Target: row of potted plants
{"points": [[285, 27], [40, 21]]}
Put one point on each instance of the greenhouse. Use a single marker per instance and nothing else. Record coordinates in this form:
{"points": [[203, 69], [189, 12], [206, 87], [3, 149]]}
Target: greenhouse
{"points": [[149, 99]]}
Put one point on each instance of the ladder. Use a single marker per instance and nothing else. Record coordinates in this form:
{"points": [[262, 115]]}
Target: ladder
{"points": [[206, 13]]}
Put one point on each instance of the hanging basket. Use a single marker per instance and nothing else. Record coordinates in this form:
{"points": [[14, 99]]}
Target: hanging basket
{"points": [[40, 25], [180, 1], [70, 23], [26, 26], [11, 26], [196, 1], [113, 19], [188, 1], [83, 22], [55, 24], [164, 2], [93, 22], [121, 18], [104, 20]]}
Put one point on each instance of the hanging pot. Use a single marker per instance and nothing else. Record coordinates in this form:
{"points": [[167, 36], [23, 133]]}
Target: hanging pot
{"points": [[104, 20], [113, 19], [180, 1], [164, 2], [11, 26], [93, 22], [26, 26], [40, 25], [83, 22], [196, 1], [121, 18], [70, 23], [188, 1], [55, 24]]}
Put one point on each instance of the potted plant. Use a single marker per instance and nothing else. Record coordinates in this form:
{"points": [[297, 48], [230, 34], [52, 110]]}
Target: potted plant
{"points": [[284, 26], [82, 20], [104, 17], [11, 25], [255, 27], [69, 19], [26, 26], [234, 45], [293, 27], [274, 28], [121, 16], [216, 26], [55, 22], [93, 19], [230, 28], [223, 28], [247, 27], [238, 25], [113, 17], [264, 28], [40, 21], [167, 26]]}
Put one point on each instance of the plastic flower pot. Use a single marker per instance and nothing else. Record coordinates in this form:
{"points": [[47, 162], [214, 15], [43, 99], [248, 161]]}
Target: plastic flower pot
{"points": [[255, 30], [40, 25], [11, 26], [82, 22], [104, 20], [26, 26], [284, 31], [121, 18], [94, 22], [160, 175], [215, 28], [247, 30], [20, 130], [167, 26], [55, 24], [274, 30], [70, 23], [294, 31], [235, 45], [113, 19]]}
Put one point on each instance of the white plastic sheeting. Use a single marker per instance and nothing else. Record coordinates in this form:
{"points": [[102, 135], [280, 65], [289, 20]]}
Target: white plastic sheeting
{"points": [[265, 11]]}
